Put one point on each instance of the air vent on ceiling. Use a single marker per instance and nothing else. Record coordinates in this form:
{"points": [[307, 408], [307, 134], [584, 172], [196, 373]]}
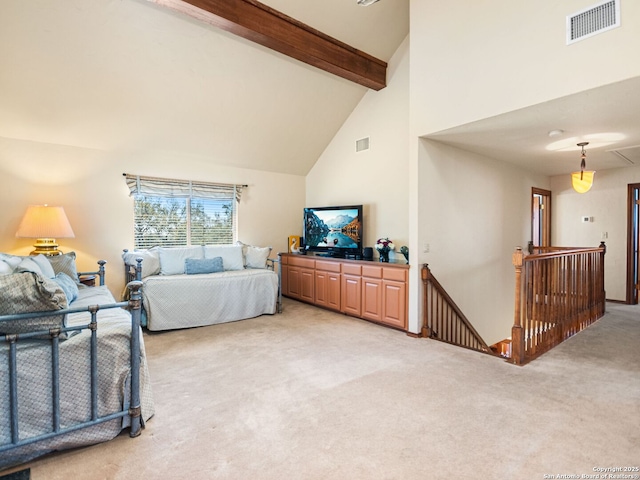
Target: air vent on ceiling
{"points": [[593, 20], [631, 155], [362, 144]]}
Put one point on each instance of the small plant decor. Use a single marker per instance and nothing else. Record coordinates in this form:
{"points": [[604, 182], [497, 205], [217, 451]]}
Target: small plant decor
{"points": [[384, 246]]}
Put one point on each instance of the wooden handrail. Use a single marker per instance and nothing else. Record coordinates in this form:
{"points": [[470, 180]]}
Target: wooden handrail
{"points": [[557, 294], [443, 319]]}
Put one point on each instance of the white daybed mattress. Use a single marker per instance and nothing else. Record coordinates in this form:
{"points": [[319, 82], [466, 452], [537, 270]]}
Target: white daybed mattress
{"points": [[181, 301]]}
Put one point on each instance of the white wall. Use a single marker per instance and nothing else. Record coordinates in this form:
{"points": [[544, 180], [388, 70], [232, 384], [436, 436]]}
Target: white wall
{"points": [[378, 177], [90, 186], [473, 60], [474, 212], [606, 202]]}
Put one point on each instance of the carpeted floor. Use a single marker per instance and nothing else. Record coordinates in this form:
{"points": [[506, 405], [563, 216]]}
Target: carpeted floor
{"points": [[311, 394]]}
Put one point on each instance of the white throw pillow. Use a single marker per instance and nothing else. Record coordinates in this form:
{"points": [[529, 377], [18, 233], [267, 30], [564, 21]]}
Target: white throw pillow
{"points": [[150, 260], [231, 255], [172, 258], [45, 266], [5, 268], [256, 257], [37, 264], [12, 260]]}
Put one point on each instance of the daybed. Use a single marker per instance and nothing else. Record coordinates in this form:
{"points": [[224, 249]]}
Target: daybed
{"points": [[204, 285], [67, 375]]}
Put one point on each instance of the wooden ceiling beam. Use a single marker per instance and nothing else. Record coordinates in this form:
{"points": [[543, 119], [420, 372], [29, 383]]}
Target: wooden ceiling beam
{"points": [[259, 23]]}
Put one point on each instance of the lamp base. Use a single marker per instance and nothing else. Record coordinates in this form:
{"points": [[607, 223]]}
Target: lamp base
{"points": [[46, 246]]}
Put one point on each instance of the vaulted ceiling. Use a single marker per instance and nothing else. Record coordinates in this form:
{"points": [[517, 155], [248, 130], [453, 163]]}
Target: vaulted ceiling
{"points": [[128, 75], [134, 75]]}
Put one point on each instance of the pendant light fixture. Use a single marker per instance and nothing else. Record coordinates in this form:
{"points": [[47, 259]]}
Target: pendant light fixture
{"points": [[583, 180]]}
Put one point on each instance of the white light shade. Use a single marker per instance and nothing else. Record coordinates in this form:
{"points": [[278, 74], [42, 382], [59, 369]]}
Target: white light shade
{"points": [[43, 221], [582, 181]]}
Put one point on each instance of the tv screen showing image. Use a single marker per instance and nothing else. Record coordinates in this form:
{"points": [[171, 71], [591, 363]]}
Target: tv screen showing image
{"points": [[335, 230]]}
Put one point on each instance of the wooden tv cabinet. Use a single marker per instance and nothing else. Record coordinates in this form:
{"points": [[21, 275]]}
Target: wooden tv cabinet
{"points": [[370, 290]]}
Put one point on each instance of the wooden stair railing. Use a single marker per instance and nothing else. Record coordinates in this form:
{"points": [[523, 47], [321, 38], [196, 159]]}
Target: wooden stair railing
{"points": [[444, 321], [557, 294]]}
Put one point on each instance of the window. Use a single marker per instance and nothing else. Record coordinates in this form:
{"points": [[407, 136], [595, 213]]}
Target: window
{"points": [[179, 212]]}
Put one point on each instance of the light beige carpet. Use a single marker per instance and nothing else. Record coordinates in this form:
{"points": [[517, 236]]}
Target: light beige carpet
{"points": [[311, 394]]}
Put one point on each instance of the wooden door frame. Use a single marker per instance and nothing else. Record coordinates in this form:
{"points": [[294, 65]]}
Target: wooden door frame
{"points": [[546, 242], [631, 290]]}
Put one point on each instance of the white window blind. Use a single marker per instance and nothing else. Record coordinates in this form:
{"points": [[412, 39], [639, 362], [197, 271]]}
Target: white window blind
{"points": [[171, 212]]}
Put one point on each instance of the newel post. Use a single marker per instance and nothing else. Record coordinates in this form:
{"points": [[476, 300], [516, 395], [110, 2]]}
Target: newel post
{"points": [[517, 334], [602, 292], [426, 329]]}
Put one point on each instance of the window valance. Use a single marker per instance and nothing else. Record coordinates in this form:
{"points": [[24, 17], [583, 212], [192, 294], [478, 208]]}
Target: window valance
{"points": [[166, 187]]}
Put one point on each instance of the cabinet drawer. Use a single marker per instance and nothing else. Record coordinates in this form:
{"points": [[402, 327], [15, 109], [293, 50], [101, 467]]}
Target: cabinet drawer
{"points": [[397, 274], [352, 269], [328, 266], [302, 262], [372, 272]]}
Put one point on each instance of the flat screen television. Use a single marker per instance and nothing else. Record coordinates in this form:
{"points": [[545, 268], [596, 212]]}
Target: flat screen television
{"points": [[333, 231]]}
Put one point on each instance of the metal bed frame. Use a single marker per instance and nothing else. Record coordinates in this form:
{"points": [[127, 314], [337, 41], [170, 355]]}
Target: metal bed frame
{"points": [[134, 411], [134, 273]]}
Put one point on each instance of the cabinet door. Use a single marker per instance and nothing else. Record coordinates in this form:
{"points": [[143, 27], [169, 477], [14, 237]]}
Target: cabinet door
{"points": [[293, 282], [327, 289], [321, 286], [351, 295], [394, 303], [307, 285], [333, 290], [372, 299]]}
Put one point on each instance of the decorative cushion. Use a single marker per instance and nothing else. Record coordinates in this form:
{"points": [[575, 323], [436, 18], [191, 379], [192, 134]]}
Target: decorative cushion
{"points": [[65, 263], [11, 260], [257, 257], [38, 264], [68, 285], [172, 258], [254, 257], [5, 267], [194, 266], [26, 292], [231, 255], [150, 260]]}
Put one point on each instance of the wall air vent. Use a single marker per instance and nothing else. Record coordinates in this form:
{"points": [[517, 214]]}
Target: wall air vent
{"points": [[362, 144], [593, 20]]}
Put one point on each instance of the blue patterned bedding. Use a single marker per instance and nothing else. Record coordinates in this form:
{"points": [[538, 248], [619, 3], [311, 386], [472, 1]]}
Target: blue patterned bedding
{"points": [[34, 373]]}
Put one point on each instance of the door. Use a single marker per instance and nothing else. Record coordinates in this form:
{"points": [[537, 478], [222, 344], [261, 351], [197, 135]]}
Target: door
{"points": [[540, 218], [633, 241]]}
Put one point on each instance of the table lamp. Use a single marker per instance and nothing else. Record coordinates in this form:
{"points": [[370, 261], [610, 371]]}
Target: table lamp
{"points": [[45, 223]]}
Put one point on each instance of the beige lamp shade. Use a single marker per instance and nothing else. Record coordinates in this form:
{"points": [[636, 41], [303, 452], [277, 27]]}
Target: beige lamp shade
{"points": [[45, 223], [582, 181]]}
